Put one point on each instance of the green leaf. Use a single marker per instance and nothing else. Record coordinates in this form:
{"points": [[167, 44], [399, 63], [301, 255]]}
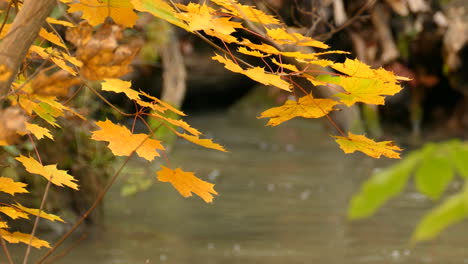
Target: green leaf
{"points": [[382, 186], [161, 9], [460, 159], [453, 210], [435, 172]]}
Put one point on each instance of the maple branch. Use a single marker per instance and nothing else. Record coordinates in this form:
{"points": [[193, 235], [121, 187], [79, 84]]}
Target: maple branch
{"points": [[23, 32]]}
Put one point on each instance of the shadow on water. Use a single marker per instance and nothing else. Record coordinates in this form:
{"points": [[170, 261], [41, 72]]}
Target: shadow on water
{"points": [[283, 198]]}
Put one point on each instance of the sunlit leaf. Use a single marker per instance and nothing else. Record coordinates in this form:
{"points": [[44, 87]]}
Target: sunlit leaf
{"points": [[307, 107], [9, 186], [356, 68], [122, 142], [367, 146], [50, 172], [38, 131], [3, 225], [120, 86], [286, 66], [96, 11], [18, 237], [186, 183], [254, 53], [52, 37]]}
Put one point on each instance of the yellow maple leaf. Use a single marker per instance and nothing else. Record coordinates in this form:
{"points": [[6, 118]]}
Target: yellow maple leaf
{"points": [[254, 53], [356, 68], [286, 66], [307, 107], [257, 74], [9, 186], [122, 142], [50, 172], [367, 146], [201, 17], [120, 86], [281, 36], [13, 213], [64, 23], [39, 213], [96, 11], [207, 143], [164, 105], [186, 183], [18, 237], [369, 91], [179, 123], [246, 12], [52, 37]]}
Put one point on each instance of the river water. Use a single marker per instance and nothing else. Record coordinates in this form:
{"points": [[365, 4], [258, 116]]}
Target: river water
{"points": [[283, 196]]}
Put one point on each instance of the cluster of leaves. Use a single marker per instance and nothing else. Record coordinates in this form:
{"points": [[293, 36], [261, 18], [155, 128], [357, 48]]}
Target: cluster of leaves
{"points": [[102, 54], [434, 166]]}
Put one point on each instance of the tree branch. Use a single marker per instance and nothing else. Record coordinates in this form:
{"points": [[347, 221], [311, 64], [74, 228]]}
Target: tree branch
{"points": [[23, 32]]}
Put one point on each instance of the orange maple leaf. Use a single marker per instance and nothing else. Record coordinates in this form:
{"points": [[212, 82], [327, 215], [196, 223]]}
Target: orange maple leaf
{"points": [[307, 107], [204, 142], [186, 183], [122, 142], [367, 146]]}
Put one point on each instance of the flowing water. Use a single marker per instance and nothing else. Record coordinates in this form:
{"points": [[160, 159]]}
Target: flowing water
{"points": [[283, 196]]}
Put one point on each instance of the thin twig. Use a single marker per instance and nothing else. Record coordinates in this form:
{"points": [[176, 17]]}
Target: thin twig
{"points": [[44, 198], [5, 249]]}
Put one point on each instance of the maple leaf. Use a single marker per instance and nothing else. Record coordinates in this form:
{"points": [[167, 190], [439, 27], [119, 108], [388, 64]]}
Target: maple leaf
{"points": [[96, 11], [246, 12], [290, 67], [257, 74], [254, 53], [359, 69], [200, 17], [52, 37], [369, 91], [120, 86], [179, 123], [207, 143], [18, 237], [122, 142], [307, 107], [281, 36], [9, 186], [186, 183], [38, 131], [13, 213], [367, 146], [64, 23], [58, 58], [39, 213], [50, 172]]}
